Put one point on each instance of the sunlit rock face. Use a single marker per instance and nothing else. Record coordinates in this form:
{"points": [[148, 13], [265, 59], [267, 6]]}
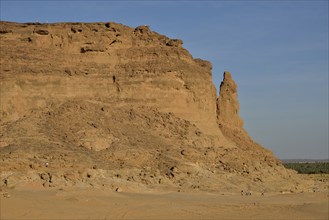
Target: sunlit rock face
{"points": [[104, 103]]}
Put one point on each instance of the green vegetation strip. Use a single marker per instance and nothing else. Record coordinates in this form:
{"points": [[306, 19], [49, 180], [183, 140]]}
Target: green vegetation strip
{"points": [[308, 168]]}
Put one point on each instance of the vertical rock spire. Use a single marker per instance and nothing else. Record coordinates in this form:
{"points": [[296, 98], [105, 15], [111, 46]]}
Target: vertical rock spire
{"points": [[228, 104], [231, 124]]}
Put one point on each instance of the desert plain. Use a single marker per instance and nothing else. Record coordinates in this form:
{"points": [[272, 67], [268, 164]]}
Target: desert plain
{"points": [[103, 204]]}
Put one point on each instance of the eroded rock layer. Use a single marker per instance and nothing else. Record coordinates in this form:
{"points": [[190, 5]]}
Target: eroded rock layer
{"points": [[106, 105]]}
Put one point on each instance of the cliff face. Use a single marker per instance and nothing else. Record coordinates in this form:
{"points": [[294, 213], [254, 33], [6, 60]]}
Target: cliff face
{"points": [[104, 104], [44, 64]]}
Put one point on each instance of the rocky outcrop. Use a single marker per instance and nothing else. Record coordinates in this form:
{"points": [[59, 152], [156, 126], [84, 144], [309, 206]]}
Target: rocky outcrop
{"points": [[228, 104], [104, 104], [76, 60], [231, 124]]}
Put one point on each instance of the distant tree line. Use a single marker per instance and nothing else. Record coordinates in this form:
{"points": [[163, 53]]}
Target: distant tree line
{"points": [[309, 168]]}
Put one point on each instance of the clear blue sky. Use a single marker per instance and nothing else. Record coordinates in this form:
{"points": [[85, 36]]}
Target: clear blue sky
{"points": [[277, 51]]}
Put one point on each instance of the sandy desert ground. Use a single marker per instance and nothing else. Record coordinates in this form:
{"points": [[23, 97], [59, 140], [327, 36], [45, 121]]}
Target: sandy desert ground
{"points": [[101, 204]]}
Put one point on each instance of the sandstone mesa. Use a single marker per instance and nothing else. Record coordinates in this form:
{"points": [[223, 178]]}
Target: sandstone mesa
{"points": [[109, 106]]}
